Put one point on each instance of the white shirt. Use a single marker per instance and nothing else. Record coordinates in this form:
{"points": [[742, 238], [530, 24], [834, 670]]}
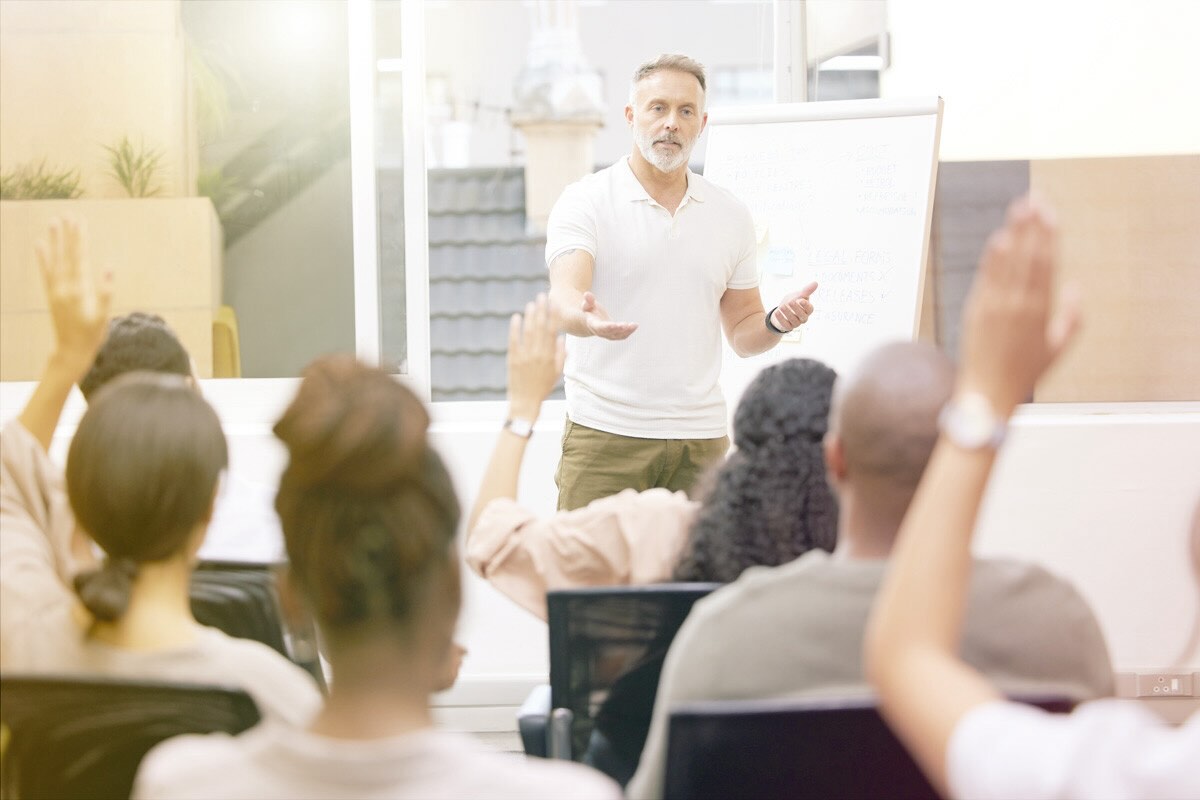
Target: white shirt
{"points": [[667, 273], [1105, 749], [277, 761]]}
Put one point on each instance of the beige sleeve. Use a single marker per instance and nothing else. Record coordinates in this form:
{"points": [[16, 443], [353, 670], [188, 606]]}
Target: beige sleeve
{"points": [[628, 538], [35, 532]]}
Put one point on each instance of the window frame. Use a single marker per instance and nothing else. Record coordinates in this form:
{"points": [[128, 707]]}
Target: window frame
{"points": [[253, 404]]}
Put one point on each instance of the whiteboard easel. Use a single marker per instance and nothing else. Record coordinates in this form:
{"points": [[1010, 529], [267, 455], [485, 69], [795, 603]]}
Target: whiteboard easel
{"points": [[841, 193]]}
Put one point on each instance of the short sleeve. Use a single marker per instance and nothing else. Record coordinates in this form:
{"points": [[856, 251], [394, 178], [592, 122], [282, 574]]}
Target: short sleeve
{"points": [[745, 269], [572, 224]]}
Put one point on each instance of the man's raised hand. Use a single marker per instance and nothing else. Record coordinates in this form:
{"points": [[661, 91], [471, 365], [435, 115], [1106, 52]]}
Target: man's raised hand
{"points": [[795, 309], [598, 323]]}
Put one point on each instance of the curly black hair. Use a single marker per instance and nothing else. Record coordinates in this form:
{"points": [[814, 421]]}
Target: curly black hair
{"points": [[769, 503]]}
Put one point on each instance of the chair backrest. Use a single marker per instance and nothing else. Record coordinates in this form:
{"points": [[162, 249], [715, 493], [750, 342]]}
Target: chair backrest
{"points": [[599, 634], [84, 737], [816, 748], [241, 599]]}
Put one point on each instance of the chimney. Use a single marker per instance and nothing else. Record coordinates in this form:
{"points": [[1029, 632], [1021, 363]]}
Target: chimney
{"points": [[558, 108]]}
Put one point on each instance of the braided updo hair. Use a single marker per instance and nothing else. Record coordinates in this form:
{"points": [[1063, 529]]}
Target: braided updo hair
{"points": [[367, 507], [769, 503]]}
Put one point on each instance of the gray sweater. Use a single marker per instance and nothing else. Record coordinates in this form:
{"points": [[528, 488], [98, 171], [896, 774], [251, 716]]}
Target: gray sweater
{"points": [[797, 630]]}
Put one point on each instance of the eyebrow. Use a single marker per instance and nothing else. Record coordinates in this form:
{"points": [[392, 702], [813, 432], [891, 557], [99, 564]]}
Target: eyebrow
{"points": [[663, 100]]}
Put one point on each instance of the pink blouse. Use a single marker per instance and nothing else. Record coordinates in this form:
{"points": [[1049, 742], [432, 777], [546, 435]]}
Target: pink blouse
{"points": [[628, 538]]}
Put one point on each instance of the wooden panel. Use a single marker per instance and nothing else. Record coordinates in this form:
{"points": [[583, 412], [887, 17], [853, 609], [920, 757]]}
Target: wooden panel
{"points": [[1131, 242], [165, 256]]}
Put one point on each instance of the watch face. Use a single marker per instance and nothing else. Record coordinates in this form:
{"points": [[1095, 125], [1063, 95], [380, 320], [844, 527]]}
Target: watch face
{"points": [[521, 427], [969, 422]]}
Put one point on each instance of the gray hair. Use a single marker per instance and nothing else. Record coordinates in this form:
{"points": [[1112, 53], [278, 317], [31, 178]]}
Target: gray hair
{"points": [[668, 61]]}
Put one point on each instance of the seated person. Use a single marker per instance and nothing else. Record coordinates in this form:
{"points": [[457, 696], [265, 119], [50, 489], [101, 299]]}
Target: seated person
{"points": [[369, 519], [797, 629], [244, 526], [768, 503], [969, 741], [141, 478]]}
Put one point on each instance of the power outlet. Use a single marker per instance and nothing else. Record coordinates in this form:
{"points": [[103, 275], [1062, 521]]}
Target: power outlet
{"points": [[1164, 684]]}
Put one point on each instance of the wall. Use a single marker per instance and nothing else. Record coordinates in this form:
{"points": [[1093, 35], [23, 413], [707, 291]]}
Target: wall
{"points": [[164, 255], [1029, 79], [79, 74]]}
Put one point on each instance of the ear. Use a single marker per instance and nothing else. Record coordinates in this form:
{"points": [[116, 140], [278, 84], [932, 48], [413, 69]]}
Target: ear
{"points": [[835, 458], [629, 114], [291, 602], [703, 123]]}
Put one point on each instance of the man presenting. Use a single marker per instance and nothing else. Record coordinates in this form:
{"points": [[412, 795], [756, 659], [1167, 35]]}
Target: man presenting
{"points": [[644, 257]]}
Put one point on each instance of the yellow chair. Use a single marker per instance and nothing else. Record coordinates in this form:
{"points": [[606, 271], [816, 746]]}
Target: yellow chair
{"points": [[227, 358]]}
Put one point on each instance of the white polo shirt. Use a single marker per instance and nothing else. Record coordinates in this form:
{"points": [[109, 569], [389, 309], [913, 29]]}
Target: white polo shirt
{"points": [[666, 273]]}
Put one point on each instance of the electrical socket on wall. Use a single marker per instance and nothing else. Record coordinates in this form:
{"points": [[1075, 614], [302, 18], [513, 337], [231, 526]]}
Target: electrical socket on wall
{"points": [[1165, 684]]}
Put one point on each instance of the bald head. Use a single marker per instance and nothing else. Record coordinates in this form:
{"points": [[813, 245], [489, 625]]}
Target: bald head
{"points": [[883, 423]]}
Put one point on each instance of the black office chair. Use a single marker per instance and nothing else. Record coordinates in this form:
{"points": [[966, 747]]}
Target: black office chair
{"points": [[241, 599], [607, 646], [84, 738], [813, 748]]}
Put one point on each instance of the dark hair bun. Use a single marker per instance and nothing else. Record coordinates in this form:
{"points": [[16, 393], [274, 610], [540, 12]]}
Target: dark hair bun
{"points": [[352, 429]]}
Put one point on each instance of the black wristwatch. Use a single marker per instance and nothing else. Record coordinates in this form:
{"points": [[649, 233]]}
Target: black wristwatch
{"points": [[770, 326]]}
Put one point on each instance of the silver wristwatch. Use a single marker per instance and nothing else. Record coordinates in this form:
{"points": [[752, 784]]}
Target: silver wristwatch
{"points": [[521, 427], [970, 422]]}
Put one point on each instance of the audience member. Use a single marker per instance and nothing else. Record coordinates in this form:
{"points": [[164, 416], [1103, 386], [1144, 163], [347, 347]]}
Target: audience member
{"points": [[768, 503], [141, 478], [970, 741], [797, 629], [244, 526], [369, 518]]}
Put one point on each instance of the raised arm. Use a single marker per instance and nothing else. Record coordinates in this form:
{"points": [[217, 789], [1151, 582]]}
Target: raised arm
{"points": [[1010, 338], [570, 291], [79, 305], [535, 362]]}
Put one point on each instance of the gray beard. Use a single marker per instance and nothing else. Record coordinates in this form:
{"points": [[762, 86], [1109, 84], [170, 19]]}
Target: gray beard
{"points": [[659, 161]]}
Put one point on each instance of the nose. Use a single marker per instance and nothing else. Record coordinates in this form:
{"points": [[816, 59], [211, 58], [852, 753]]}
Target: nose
{"points": [[671, 122]]}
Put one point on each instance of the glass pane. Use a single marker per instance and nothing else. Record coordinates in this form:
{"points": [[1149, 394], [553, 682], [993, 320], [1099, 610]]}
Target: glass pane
{"points": [[206, 146], [274, 118], [485, 247], [389, 185]]}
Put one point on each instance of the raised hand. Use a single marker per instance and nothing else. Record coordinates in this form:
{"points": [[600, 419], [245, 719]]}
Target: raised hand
{"points": [[1012, 331], [598, 323], [78, 303], [795, 309], [536, 354]]}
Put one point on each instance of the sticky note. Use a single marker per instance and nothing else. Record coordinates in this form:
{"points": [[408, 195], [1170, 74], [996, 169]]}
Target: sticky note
{"points": [[780, 261]]}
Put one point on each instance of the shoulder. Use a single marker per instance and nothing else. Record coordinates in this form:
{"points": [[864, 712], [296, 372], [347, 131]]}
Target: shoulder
{"points": [[1025, 583], [186, 764], [721, 198], [280, 687], [755, 592], [1113, 748], [503, 775]]}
